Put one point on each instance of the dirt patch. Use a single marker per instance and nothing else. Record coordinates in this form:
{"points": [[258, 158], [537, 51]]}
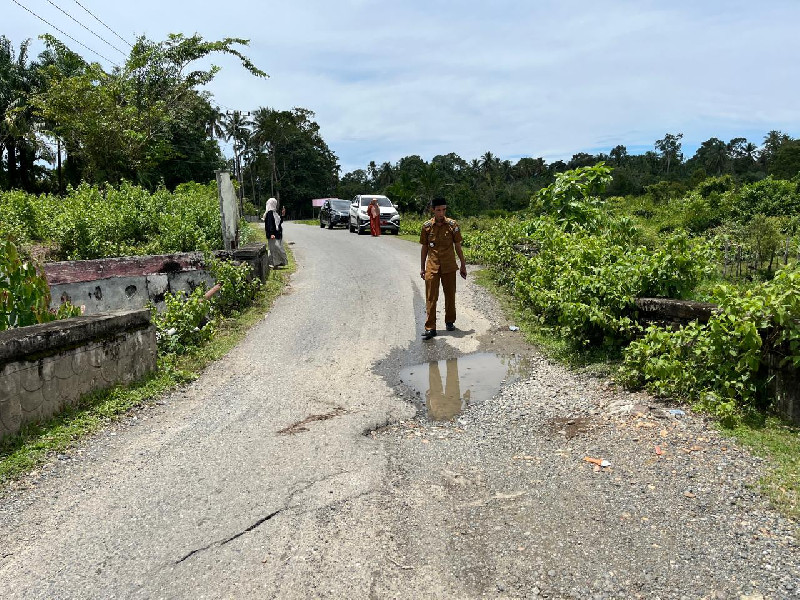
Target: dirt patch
{"points": [[571, 427], [41, 252], [504, 341]]}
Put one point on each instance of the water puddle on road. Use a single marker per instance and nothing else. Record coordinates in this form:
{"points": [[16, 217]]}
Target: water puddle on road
{"points": [[448, 386]]}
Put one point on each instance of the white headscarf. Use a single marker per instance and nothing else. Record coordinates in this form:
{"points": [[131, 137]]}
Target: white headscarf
{"points": [[272, 205]]}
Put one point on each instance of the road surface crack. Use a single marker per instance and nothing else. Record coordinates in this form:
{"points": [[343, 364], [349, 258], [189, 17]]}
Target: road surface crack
{"points": [[221, 543], [300, 425]]}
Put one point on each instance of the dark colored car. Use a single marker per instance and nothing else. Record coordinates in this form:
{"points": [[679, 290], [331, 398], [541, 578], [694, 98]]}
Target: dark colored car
{"points": [[334, 212]]}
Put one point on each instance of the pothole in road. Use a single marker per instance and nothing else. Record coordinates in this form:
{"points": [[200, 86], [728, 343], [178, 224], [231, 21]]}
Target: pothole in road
{"points": [[444, 388]]}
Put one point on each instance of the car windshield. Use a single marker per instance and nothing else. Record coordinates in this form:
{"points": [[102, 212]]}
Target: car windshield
{"points": [[382, 201], [340, 204]]}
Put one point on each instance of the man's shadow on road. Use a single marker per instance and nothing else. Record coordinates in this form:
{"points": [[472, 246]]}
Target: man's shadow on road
{"points": [[458, 333]]}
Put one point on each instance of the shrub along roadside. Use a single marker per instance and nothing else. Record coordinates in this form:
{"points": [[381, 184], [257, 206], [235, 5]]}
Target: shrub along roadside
{"points": [[24, 293], [719, 365], [98, 222], [38, 442]]}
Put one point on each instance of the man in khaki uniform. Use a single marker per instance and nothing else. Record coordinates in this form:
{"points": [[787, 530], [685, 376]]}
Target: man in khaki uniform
{"points": [[440, 239]]}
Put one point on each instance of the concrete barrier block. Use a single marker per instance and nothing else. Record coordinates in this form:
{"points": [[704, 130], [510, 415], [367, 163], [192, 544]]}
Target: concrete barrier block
{"points": [[9, 382], [46, 367], [62, 366], [186, 281], [80, 361], [157, 286]]}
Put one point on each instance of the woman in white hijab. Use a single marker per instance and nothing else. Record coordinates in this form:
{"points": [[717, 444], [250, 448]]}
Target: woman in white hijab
{"points": [[274, 229]]}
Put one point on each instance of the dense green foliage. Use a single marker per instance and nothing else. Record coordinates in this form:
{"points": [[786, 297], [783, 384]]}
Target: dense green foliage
{"points": [[721, 364], [24, 293], [578, 263], [190, 320], [146, 121], [185, 322], [238, 287], [581, 270], [488, 183], [90, 222]]}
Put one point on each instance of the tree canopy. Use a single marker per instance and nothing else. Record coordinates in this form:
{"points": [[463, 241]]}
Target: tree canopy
{"points": [[145, 122]]}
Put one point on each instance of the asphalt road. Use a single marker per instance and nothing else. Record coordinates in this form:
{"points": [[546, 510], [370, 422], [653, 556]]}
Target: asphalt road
{"points": [[296, 467], [203, 496]]}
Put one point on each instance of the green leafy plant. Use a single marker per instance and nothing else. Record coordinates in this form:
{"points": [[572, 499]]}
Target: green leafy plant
{"points": [[720, 365], [24, 293], [574, 197], [581, 269], [94, 222], [185, 322], [238, 286]]}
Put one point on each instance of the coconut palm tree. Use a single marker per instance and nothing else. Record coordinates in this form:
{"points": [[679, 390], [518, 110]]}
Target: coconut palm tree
{"points": [[18, 79]]}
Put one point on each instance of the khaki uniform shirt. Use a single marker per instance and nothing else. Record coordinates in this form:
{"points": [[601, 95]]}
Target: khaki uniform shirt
{"points": [[440, 240]]}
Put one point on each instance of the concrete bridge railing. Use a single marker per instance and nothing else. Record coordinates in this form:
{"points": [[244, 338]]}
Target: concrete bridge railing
{"points": [[45, 368]]}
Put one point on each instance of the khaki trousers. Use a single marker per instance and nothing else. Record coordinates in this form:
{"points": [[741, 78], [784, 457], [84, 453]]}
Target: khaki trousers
{"points": [[448, 281]]}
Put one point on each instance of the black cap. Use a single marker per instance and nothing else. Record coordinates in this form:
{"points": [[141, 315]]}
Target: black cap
{"points": [[438, 201]]}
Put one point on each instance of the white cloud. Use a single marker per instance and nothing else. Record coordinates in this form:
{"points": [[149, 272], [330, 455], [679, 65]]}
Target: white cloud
{"points": [[547, 78]]}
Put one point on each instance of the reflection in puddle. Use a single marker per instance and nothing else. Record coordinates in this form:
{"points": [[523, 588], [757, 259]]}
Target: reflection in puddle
{"points": [[468, 379]]}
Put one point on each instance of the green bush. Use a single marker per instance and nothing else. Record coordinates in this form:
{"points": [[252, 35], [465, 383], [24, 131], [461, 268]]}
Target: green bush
{"points": [[573, 199], [90, 222], [186, 321], [719, 365], [715, 185], [769, 197], [19, 222], [580, 268], [698, 213], [251, 209], [238, 287], [585, 282], [24, 293]]}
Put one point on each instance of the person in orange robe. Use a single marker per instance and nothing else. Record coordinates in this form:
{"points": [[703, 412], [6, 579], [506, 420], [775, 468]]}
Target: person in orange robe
{"points": [[374, 212]]}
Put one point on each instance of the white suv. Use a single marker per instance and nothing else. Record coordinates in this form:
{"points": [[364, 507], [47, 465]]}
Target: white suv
{"points": [[359, 221]]}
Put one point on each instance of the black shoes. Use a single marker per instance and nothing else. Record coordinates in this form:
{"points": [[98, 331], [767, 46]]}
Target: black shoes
{"points": [[429, 333], [450, 326]]}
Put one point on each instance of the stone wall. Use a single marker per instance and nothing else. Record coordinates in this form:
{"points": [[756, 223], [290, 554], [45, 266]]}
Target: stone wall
{"points": [[131, 282], [44, 368]]}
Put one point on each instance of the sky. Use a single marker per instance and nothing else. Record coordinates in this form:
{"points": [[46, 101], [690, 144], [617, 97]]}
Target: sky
{"points": [[538, 78]]}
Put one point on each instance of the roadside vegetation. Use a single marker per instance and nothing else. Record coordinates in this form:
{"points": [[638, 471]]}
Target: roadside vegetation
{"points": [[105, 221]]}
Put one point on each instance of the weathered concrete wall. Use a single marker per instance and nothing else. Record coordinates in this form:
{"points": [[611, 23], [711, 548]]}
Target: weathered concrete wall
{"points": [[130, 283], [667, 310], [785, 388], [44, 368], [784, 379]]}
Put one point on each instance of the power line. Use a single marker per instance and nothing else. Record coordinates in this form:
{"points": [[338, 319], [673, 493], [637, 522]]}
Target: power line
{"points": [[64, 33], [103, 24], [99, 37]]}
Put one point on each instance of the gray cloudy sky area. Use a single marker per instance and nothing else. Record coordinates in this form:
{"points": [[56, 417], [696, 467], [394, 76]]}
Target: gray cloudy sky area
{"points": [[518, 78]]}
